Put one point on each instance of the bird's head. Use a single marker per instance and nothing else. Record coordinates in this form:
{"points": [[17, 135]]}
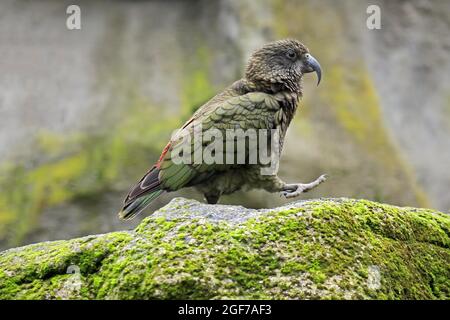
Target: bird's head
{"points": [[282, 63]]}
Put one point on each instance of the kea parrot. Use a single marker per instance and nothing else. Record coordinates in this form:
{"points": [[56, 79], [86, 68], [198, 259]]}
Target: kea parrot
{"points": [[266, 99]]}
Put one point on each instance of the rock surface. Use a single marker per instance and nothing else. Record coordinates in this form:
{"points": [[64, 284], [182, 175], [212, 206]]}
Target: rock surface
{"points": [[317, 249]]}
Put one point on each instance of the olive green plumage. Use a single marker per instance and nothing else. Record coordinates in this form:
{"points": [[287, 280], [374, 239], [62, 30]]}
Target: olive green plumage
{"points": [[265, 99]]}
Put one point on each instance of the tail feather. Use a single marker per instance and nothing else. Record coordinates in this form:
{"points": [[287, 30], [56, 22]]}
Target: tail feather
{"points": [[141, 195], [132, 209]]}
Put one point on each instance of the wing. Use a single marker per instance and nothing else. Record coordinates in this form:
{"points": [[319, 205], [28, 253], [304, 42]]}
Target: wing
{"points": [[181, 165]]}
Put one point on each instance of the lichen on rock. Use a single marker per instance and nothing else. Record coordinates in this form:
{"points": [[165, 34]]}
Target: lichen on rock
{"points": [[316, 249]]}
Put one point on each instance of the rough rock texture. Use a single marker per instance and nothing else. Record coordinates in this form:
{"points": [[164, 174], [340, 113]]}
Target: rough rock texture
{"points": [[318, 249]]}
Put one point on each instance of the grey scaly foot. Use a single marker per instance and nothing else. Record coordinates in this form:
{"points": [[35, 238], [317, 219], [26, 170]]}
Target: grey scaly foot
{"points": [[295, 189]]}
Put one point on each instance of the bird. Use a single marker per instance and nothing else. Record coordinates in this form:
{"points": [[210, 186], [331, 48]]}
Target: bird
{"points": [[265, 99]]}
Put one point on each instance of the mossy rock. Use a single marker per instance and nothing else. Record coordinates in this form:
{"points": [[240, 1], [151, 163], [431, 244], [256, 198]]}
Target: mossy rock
{"points": [[318, 249]]}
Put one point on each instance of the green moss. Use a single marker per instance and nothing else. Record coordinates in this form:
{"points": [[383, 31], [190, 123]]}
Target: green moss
{"points": [[79, 166], [347, 99], [53, 277], [364, 123], [358, 111], [70, 168], [320, 249], [196, 85]]}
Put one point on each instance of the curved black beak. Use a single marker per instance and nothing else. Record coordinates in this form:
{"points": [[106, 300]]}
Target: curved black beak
{"points": [[312, 65]]}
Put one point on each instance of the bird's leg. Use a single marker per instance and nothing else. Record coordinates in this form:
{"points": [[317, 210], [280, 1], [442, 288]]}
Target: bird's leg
{"points": [[294, 189], [212, 198]]}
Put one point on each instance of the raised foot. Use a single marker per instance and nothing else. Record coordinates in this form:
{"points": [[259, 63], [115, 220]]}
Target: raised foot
{"points": [[295, 189]]}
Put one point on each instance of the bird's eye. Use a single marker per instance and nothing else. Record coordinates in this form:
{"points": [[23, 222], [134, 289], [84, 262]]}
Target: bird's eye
{"points": [[291, 55]]}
